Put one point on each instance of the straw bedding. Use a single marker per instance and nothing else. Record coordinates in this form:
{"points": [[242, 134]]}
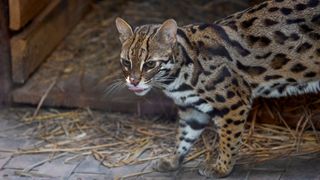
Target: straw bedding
{"points": [[119, 139]]}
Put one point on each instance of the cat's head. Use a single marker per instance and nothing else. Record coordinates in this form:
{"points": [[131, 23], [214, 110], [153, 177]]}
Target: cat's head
{"points": [[145, 53]]}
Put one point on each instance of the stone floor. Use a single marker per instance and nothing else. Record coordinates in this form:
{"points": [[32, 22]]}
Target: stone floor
{"points": [[46, 166]]}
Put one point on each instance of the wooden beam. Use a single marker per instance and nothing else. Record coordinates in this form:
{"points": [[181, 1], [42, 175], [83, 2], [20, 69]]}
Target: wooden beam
{"points": [[22, 11], [5, 69], [30, 48]]}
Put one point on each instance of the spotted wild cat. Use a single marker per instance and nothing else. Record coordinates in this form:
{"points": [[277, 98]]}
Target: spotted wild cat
{"points": [[214, 71]]}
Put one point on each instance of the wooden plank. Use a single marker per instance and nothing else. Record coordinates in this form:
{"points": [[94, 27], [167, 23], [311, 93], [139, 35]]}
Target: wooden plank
{"points": [[22, 11], [5, 76], [32, 46]]}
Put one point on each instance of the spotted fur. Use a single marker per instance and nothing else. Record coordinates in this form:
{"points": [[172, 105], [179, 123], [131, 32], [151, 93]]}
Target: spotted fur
{"points": [[214, 71]]}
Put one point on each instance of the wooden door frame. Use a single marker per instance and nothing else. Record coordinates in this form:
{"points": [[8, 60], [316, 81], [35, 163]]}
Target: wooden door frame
{"points": [[5, 57]]}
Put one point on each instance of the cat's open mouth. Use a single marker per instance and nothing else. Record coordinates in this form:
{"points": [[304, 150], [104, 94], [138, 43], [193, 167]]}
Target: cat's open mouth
{"points": [[139, 91]]}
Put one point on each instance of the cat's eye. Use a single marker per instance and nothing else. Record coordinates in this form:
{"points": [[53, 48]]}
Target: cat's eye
{"points": [[126, 63], [150, 64]]}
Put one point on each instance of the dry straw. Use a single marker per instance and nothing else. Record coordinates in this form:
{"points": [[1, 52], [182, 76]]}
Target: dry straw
{"points": [[119, 140]]}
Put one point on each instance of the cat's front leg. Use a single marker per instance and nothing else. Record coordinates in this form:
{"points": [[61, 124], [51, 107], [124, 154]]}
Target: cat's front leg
{"points": [[229, 118], [191, 124]]}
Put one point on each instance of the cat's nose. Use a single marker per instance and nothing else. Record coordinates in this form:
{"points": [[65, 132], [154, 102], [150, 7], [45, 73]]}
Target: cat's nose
{"points": [[134, 81]]}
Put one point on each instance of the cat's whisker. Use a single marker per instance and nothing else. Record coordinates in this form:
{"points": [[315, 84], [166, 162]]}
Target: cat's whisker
{"points": [[114, 86]]}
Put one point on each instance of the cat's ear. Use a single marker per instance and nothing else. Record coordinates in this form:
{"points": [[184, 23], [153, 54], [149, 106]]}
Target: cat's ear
{"points": [[124, 29], [167, 33]]}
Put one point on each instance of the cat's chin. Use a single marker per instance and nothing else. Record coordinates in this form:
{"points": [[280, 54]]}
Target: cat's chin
{"points": [[142, 93]]}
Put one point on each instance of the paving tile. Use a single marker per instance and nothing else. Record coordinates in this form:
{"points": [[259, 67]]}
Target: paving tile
{"points": [[4, 159], [80, 176], [264, 175], [9, 174], [125, 170], [159, 176], [90, 165], [302, 168], [11, 143], [25, 161], [189, 175], [272, 165], [57, 168]]}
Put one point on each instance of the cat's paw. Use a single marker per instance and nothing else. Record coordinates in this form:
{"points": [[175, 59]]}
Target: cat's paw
{"points": [[212, 171], [165, 164]]}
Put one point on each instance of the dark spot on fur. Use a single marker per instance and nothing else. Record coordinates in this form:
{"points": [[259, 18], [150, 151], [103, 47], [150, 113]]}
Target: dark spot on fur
{"points": [[279, 60], [246, 24], [209, 99], [236, 135], [182, 125], [303, 47], [272, 77], [314, 36], [238, 122], [201, 91], [316, 19], [193, 30], [310, 74], [270, 22], [229, 121], [294, 36], [313, 3], [252, 70], [183, 87], [235, 82], [190, 141], [264, 41], [261, 40], [318, 52], [220, 98], [218, 112], [280, 37], [242, 112], [203, 26], [232, 25], [199, 102], [186, 75], [291, 80], [285, 11], [200, 44], [298, 68], [230, 94], [254, 85], [304, 28], [236, 105], [218, 51], [194, 124], [212, 67], [273, 9], [300, 7]]}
